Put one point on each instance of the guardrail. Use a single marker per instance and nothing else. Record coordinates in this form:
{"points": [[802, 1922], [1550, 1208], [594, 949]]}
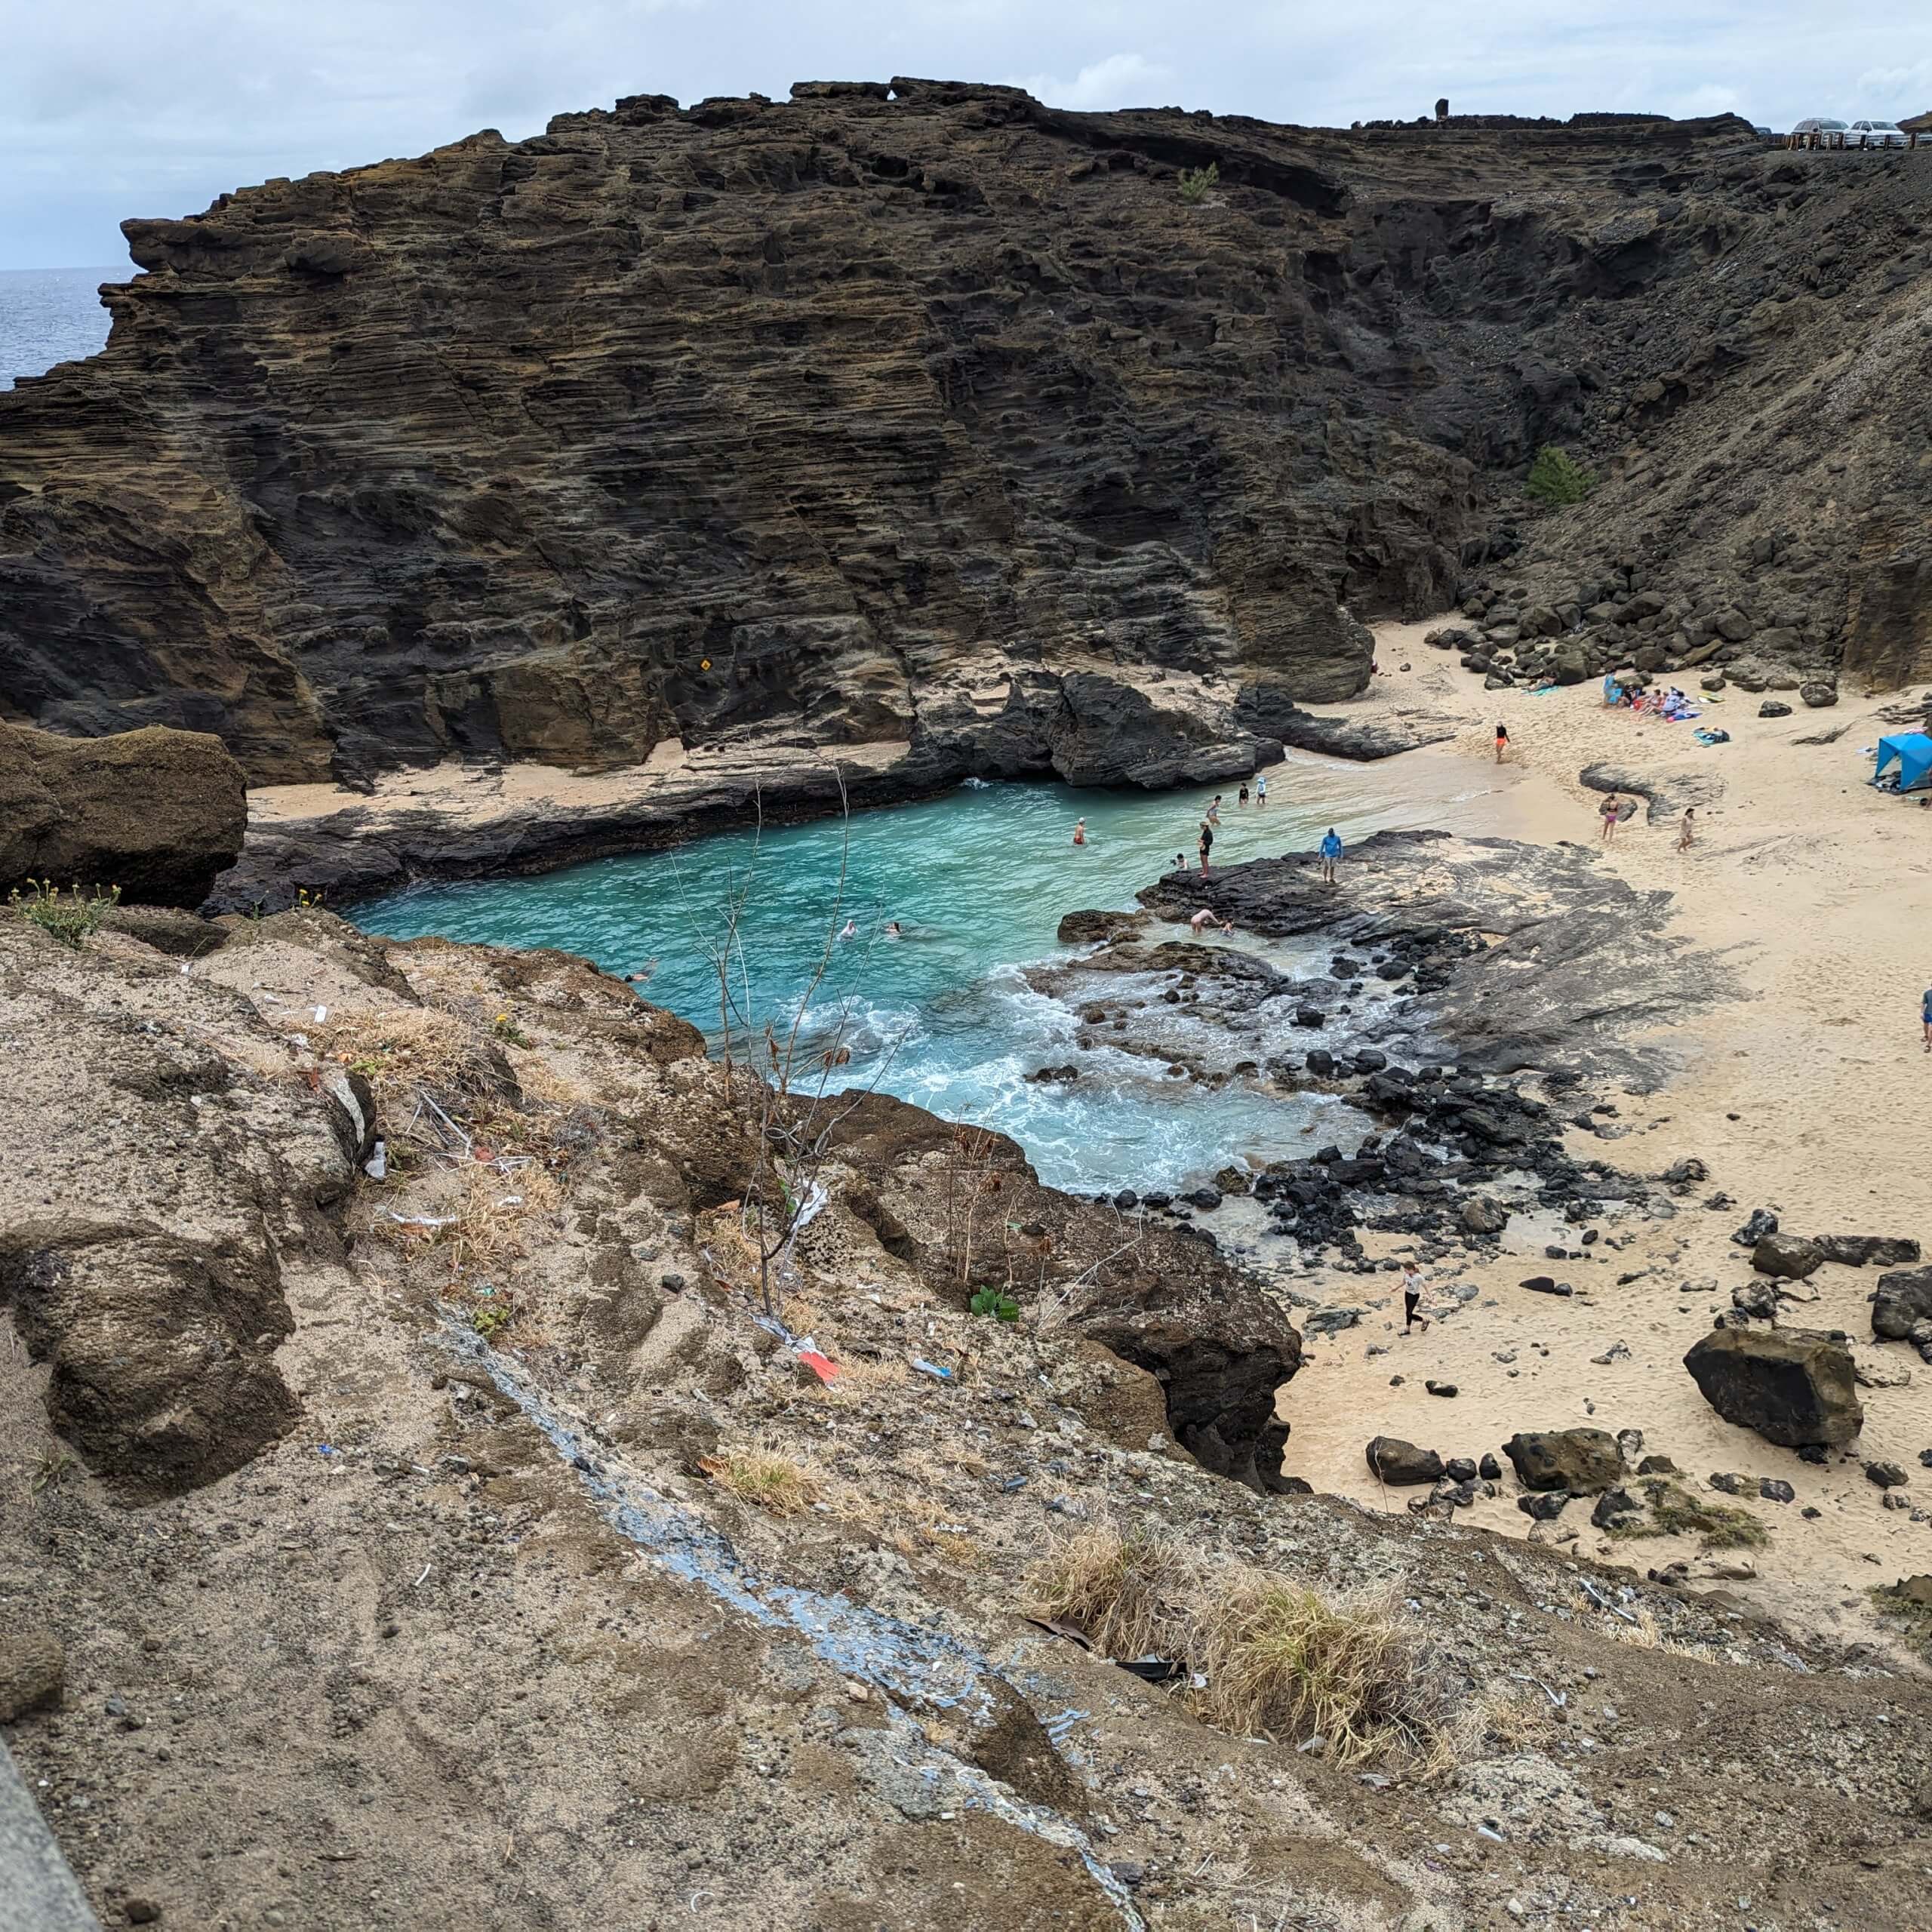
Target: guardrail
{"points": [[1841, 137]]}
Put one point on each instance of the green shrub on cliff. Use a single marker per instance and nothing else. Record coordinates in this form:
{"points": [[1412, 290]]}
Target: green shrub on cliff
{"points": [[1556, 479], [69, 920], [1198, 183]]}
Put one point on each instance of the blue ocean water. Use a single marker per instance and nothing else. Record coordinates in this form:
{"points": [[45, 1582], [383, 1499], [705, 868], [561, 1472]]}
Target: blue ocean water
{"points": [[943, 1015], [50, 315]]}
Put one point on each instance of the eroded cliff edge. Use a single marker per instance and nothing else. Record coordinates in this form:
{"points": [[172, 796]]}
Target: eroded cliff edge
{"points": [[886, 415]]}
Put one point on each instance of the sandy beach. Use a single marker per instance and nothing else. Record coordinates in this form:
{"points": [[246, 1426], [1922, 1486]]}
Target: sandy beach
{"points": [[1797, 1097]]}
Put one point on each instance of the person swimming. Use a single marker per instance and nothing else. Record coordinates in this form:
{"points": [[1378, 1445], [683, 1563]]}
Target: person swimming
{"points": [[642, 976], [894, 930], [849, 930]]}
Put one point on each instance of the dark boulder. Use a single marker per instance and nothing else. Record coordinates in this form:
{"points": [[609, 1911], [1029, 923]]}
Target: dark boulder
{"points": [[1865, 1250], [1792, 1386], [1544, 1506], [1615, 1508], [1789, 1258], [1762, 1222], [1582, 1461], [1394, 1461], [1903, 1299], [1773, 708]]}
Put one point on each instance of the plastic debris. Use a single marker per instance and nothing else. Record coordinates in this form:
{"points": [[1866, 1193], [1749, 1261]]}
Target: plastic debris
{"points": [[821, 1366], [931, 1368], [1151, 1670], [1054, 1627], [377, 1167]]}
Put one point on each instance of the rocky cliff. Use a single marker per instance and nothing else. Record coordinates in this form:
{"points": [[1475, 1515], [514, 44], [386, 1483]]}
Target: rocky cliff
{"points": [[895, 414]]}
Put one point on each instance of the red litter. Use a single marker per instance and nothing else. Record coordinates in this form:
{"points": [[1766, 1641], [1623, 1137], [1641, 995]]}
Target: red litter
{"points": [[819, 1366]]}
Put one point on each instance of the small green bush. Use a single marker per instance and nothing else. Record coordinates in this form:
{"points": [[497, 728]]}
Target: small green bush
{"points": [[991, 1302], [1198, 183], [70, 919], [1556, 477]]}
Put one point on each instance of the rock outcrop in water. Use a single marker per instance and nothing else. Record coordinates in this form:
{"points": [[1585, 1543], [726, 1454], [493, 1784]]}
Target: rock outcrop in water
{"points": [[923, 415]]}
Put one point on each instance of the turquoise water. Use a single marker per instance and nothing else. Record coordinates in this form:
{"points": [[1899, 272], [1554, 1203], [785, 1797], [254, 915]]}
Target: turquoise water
{"points": [[942, 1016]]}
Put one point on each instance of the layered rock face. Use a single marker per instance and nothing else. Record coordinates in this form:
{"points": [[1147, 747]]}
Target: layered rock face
{"points": [[919, 413]]}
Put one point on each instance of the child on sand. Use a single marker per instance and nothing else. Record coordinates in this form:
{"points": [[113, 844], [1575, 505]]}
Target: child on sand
{"points": [[1687, 834], [1412, 1298]]}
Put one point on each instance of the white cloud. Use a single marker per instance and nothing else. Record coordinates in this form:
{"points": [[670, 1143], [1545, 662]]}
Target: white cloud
{"points": [[1121, 80]]}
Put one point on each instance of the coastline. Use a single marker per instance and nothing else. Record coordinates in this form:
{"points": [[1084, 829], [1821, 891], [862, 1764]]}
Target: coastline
{"points": [[1817, 892]]}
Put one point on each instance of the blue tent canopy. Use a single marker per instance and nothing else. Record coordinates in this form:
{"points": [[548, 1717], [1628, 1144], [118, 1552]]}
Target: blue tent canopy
{"points": [[1912, 752]]}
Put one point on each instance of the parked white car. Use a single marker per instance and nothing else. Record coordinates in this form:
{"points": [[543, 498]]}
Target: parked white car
{"points": [[1875, 134]]}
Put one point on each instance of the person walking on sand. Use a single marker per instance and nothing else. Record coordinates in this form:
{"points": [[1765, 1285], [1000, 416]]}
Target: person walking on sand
{"points": [[1080, 832], [1207, 844], [1502, 739], [1925, 1014], [1686, 832], [1332, 857], [1610, 810], [1412, 1298]]}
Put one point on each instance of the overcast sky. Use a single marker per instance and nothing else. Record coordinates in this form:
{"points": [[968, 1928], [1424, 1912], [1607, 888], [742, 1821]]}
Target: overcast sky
{"points": [[111, 108]]}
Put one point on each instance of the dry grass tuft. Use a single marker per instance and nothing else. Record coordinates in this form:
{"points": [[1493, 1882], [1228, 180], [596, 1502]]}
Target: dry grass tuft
{"points": [[772, 1481], [1648, 1634], [1515, 1720], [1280, 1660]]}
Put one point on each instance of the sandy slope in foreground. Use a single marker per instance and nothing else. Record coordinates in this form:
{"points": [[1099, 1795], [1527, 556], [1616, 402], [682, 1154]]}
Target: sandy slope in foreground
{"points": [[1805, 1098]]}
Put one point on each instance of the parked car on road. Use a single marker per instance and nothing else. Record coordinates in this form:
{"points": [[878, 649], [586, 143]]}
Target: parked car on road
{"points": [[1822, 125], [1875, 134]]}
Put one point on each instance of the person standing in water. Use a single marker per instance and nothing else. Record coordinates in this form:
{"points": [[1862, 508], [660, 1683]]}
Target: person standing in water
{"points": [[1080, 832], [1260, 788], [1214, 811], [1241, 797], [1332, 857], [1206, 844]]}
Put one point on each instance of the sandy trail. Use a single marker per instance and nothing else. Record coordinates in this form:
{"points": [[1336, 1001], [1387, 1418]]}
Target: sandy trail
{"points": [[1800, 1098]]}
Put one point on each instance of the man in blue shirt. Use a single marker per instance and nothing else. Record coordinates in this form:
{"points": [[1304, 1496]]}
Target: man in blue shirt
{"points": [[1331, 853]]}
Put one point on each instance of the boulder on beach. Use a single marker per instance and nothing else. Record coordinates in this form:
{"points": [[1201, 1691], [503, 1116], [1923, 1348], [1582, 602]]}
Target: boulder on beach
{"points": [[1867, 1250], [1903, 1298], [1397, 1462], [1793, 1386], [1789, 1258], [1582, 1461]]}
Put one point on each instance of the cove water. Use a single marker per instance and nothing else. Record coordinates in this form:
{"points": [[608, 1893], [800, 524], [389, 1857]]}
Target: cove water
{"points": [[978, 880]]}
